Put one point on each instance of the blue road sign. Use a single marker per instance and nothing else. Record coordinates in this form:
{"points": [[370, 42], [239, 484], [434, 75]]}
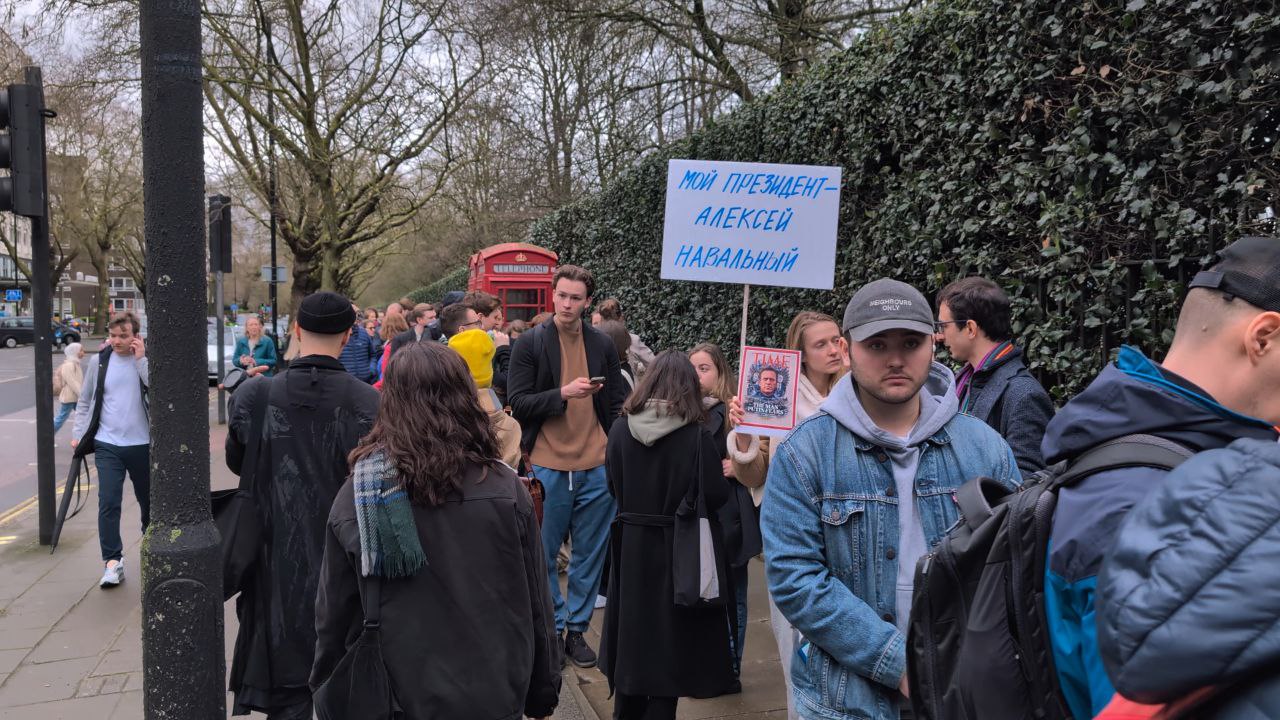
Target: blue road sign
{"points": [[13, 296]]}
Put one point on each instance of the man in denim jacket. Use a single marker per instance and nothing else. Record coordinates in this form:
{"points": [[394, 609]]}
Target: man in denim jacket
{"points": [[841, 549]]}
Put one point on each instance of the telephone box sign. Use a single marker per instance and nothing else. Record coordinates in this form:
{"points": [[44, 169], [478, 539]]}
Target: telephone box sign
{"points": [[518, 274]]}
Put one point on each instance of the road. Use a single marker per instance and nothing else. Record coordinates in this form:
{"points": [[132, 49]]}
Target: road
{"points": [[18, 428]]}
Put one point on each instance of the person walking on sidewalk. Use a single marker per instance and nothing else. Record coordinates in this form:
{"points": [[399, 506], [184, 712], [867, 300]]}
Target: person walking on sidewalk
{"points": [[112, 423], [318, 413], [449, 534], [661, 458], [67, 383], [565, 389]]}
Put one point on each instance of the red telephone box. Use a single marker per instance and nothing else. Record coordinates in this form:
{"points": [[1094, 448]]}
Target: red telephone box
{"points": [[519, 275]]}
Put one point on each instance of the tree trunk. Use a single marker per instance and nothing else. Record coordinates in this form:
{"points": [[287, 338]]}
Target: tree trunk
{"points": [[104, 296]]}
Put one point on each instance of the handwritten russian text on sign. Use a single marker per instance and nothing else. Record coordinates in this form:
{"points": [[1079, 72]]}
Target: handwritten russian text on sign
{"points": [[751, 223]]}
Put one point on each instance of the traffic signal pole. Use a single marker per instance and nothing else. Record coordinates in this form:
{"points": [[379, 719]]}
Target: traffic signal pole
{"points": [[184, 669], [25, 192], [42, 316]]}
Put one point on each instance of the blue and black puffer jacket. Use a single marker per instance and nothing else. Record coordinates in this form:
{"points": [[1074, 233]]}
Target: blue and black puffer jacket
{"points": [[1190, 596]]}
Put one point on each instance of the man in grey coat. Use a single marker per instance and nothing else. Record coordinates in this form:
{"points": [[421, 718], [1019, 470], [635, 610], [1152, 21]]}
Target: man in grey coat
{"points": [[975, 324]]}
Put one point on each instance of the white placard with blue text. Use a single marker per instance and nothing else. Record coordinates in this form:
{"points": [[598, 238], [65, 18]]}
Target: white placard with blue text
{"points": [[751, 223]]}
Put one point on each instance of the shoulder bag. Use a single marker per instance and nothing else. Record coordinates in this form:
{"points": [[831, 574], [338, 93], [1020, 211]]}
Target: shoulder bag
{"points": [[360, 686], [695, 572], [235, 511]]}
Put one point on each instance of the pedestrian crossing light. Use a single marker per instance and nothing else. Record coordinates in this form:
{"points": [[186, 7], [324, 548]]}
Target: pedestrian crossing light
{"points": [[22, 151]]}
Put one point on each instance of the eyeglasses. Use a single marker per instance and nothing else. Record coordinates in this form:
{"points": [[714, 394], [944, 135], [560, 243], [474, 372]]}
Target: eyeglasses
{"points": [[473, 323], [939, 325]]}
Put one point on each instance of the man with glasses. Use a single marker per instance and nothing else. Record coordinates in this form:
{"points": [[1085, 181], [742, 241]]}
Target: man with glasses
{"points": [[565, 387], [458, 318], [975, 324]]}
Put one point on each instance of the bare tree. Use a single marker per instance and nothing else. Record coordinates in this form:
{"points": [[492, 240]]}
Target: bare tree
{"points": [[749, 43], [95, 166], [345, 104]]}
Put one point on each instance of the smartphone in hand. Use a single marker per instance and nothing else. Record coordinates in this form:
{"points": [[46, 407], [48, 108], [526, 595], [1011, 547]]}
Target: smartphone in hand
{"points": [[597, 380]]}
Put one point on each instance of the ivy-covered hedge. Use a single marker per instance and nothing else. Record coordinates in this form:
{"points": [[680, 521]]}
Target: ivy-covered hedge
{"points": [[453, 280], [1088, 156]]}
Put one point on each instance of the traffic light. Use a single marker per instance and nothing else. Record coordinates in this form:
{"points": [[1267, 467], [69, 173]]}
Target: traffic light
{"points": [[219, 233], [22, 151]]}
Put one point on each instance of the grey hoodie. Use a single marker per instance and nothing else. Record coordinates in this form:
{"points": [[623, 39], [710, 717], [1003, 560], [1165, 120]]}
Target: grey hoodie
{"points": [[653, 423], [938, 404]]}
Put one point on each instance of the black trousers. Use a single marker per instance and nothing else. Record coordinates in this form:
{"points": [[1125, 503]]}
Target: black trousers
{"points": [[643, 707]]}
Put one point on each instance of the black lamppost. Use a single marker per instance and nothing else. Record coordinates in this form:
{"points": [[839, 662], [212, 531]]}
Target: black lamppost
{"points": [[184, 667]]}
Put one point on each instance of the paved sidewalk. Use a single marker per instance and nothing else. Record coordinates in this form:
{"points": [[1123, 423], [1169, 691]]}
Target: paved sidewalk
{"points": [[71, 651], [763, 691]]}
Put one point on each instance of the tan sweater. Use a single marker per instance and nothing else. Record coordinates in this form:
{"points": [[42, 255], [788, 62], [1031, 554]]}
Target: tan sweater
{"points": [[72, 378], [574, 440], [504, 426]]}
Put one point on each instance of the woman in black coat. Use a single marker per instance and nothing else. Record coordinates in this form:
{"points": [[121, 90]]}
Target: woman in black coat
{"points": [[654, 651], [444, 534]]}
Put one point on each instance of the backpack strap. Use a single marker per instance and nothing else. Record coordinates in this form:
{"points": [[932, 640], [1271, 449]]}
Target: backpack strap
{"points": [[1138, 450]]}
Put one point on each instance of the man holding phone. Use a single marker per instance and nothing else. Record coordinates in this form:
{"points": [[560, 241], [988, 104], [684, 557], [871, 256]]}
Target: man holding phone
{"points": [[112, 423], [565, 388]]}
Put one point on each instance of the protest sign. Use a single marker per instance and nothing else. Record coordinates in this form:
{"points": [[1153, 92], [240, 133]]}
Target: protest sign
{"points": [[751, 223], [767, 389]]}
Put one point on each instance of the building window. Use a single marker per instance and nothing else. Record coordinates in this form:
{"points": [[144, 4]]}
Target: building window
{"points": [[8, 269]]}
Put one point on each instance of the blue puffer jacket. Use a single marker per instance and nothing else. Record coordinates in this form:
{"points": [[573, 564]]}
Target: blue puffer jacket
{"points": [[1135, 395], [1190, 597]]}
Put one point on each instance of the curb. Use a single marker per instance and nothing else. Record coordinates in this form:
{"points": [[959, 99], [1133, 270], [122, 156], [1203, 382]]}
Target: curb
{"points": [[581, 699]]}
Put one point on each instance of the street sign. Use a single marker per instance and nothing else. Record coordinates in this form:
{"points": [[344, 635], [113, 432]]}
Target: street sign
{"points": [[234, 307], [281, 274], [13, 296]]}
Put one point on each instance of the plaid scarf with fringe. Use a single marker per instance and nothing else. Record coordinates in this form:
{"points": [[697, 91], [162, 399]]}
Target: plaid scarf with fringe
{"points": [[389, 546]]}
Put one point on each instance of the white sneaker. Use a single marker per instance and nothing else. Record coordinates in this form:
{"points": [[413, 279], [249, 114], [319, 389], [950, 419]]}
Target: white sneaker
{"points": [[601, 601], [113, 575]]}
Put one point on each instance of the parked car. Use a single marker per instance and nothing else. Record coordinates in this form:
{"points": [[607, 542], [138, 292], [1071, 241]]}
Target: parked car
{"points": [[228, 349], [15, 331], [64, 334]]}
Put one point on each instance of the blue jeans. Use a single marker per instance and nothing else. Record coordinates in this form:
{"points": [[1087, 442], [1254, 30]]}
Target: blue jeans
{"points": [[578, 505], [112, 462], [64, 412]]}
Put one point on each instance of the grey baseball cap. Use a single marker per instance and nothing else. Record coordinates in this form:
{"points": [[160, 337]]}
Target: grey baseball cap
{"points": [[886, 304]]}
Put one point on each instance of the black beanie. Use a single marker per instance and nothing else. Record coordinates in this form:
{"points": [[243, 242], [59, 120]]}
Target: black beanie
{"points": [[326, 313]]}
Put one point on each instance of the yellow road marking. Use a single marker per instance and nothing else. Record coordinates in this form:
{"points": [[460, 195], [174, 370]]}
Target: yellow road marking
{"points": [[31, 502]]}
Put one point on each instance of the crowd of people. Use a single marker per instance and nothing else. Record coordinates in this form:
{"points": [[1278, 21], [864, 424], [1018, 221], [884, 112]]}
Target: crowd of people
{"points": [[423, 469]]}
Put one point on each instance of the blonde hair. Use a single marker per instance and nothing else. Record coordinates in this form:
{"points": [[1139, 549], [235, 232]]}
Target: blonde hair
{"points": [[804, 320]]}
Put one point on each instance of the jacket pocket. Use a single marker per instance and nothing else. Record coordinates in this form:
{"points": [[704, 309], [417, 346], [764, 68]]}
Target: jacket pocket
{"points": [[843, 522]]}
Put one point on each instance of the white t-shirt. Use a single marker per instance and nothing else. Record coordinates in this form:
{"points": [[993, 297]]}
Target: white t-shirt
{"points": [[123, 421]]}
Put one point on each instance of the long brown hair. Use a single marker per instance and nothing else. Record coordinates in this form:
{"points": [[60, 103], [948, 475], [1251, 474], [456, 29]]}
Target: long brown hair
{"points": [[429, 423], [393, 325], [672, 379], [728, 385]]}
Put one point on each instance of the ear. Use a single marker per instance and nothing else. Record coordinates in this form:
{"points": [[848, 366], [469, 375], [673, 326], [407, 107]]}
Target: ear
{"points": [[346, 337], [1263, 336]]}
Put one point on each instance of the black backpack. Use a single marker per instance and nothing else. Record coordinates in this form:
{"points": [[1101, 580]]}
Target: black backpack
{"points": [[978, 642]]}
